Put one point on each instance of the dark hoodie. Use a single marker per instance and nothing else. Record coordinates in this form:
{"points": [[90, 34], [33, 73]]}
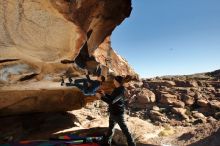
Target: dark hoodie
{"points": [[116, 101]]}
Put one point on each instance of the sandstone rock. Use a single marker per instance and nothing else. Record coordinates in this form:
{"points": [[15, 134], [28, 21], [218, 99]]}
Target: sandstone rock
{"points": [[198, 95], [155, 108], [199, 121], [37, 35], [210, 89], [198, 115], [192, 91], [215, 84], [192, 83], [42, 97], [217, 115], [138, 84], [178, 103], [201, 83], [145, 84], [180, 83], [188, 100], [207, 111], [168, 98], [157, 116], [105, 55], [155, 84], [210, 119], [130, 87], [43, 39], [215, 104], [169, 83], [202, 103], [217, 94], [183, 90], [144, 97], [183, 83], [180, 111]]}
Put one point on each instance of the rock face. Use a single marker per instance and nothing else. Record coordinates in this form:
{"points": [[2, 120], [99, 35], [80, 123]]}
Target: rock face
{"points": [[36, 35], [108, 57]]}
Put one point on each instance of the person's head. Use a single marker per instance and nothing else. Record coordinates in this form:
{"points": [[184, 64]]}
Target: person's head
{"points": [[118, 81], [101, 78]]}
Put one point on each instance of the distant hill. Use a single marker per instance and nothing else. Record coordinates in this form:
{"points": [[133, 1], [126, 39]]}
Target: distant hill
{"points": [[215, 74], [201, 76]]}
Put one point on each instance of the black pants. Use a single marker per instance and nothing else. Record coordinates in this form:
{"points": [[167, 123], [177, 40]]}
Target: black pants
{"points": [[118, 119]]}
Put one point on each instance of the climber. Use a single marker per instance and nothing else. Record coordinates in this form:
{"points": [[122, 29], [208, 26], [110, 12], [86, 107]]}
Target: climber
{"points": [[116, 102], [88, 86]]}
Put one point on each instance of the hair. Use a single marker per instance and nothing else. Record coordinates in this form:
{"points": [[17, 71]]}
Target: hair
{"points": [[103, 78], [119, 79]]}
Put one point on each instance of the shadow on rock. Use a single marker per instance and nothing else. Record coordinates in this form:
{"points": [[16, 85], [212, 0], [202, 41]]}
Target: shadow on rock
{"points": [[212, 140], [40, 126], [186, 136], [34, 126]]}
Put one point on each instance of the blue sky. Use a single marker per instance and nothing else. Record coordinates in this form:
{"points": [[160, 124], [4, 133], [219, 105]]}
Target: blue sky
{"points": [[170, 37]]}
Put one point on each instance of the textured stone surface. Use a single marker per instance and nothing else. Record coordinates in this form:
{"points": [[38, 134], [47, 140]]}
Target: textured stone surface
{"points": [[37, 34], [145, 97], [108, 57], [178, 98]]}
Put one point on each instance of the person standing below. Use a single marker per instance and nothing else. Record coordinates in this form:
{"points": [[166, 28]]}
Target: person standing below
{"points": [[116, 102]]}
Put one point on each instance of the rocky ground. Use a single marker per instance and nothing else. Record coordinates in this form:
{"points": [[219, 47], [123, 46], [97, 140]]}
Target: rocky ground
{"points": [[177, 100]]}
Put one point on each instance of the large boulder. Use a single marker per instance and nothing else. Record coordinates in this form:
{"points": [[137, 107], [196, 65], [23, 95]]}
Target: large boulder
{"points": [[168, 98], [108, 57], [186, 83], [180, 111], [159, 83], [36, 35], [188, 100], [215, 104], [198, 115], [157, 116], [144, 97], [202, 103]]}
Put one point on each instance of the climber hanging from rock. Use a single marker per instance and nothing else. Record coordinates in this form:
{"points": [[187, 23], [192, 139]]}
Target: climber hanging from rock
{"points": [[86, 85]]}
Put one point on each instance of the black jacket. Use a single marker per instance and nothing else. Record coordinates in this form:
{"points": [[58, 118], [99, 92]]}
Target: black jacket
{"points": [[116, 101]]}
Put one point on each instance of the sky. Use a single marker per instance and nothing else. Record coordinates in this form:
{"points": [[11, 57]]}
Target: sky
{"points": [[170, 37]]}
